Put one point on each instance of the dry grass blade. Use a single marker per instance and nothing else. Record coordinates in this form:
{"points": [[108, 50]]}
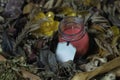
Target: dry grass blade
{"points": [[58, 3], [88, 17], [49, 4], [29, 75], [99, 43], [99, 19]]}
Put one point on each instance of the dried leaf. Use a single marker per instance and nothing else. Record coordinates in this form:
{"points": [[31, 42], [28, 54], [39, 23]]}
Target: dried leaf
{"points": [[52, 62], [99, 43], [116, 35], [98, 19], [115, 30], [87, 2], [58, 3], [98, 27], [2, 58], [49, 4], [87, 17], [27, 9], [114, 41], [91, 2], [48, 59], [29, 75], [103, 53], [7, 44]]}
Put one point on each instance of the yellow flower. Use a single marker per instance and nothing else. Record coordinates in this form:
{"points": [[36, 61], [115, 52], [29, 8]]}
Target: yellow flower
{"points": [[47, 28], [38, 16], [55, 26], [50, 14]]}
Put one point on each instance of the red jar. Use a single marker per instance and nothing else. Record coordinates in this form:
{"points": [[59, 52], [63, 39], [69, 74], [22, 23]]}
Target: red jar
{"points": [[72, 30]]}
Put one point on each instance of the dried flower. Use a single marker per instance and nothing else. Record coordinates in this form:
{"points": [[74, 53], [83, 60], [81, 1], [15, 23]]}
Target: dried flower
{"points": [[48, 27]]}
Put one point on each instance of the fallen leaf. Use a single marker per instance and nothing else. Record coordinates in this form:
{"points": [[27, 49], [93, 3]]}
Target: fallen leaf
{"points": [[58, 3], [27, 9], [98, 27], [29, 75], [114, 41], [49, 4], [115, 30], [2, 58]]}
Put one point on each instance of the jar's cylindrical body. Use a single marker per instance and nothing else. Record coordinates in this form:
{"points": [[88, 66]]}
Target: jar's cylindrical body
{"points": [[72, 30]]}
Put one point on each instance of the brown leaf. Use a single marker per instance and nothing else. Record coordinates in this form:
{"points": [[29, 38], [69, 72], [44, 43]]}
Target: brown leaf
{"points": [[27, 9], [29, 75], [97, 27], [2, 58]]}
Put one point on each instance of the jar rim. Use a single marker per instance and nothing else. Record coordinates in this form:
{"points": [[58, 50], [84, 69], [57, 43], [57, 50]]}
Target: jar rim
{"points": [[79, 34]]}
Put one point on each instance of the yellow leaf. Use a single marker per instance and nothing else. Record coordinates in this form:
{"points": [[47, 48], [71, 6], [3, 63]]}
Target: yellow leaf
{"points": [[83, 12], [97, 27], [38, 16], [72, 14], [87, 2], [91, 2], [27, 9], [55, 25], [115, 30], [48, 28], [50, 14], [66, 10], [114, 40]]}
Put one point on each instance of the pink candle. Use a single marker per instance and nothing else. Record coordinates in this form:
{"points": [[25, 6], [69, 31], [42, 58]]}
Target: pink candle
{"points": [[72, 30]]}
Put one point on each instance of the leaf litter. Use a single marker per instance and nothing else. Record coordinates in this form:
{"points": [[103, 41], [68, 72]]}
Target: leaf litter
{"points": [[28, 56]]}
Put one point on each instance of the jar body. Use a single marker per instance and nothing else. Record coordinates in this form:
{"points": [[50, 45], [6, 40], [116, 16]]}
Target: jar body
{"points": [[72, 30], [81, 45]]}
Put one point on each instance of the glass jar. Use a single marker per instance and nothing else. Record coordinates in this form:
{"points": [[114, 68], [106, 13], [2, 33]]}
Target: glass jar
{"points": [[72, 30]]}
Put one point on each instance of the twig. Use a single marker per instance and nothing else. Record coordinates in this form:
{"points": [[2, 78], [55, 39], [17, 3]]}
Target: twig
{"points": [[100, 70]]}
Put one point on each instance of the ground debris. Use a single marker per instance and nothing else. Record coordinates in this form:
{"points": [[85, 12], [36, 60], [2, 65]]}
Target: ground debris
{"points": [[29, 37]]}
